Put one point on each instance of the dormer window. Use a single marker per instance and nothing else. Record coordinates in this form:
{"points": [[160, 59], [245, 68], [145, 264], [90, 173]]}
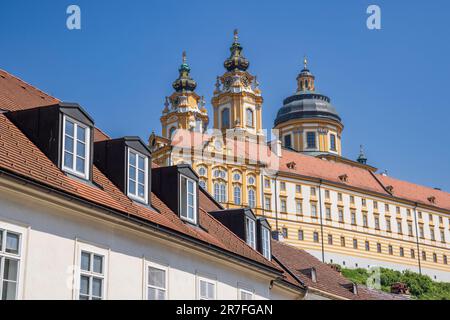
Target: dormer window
{"points": [[137, 176], [188, 199], [251, 232], [76, 145]]}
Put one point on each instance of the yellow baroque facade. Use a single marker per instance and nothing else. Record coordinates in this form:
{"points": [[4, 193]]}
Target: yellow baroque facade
{"points": [[340, 210]]}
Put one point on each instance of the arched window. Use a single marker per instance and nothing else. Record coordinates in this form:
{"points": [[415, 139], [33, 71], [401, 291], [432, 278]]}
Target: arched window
{"points": [[225, 116], [251, 198], [306, 84], [171, 132], [202, 171], [220, 192], [237, 195], [202, 184], [249, 117]]}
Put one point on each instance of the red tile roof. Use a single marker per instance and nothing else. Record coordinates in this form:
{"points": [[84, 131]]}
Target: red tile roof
{"points": [[298, 261], [416, 193], [18, 155]]}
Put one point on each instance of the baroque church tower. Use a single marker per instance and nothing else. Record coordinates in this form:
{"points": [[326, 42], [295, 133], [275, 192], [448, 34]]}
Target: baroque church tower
{"points": [[184, 109], [237, 99]]}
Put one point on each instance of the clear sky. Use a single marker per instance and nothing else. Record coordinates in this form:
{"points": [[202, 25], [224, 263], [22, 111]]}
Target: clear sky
{"points": [[390, 86]]}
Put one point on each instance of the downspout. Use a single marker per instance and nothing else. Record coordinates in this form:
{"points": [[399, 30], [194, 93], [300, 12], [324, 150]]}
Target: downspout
{"points": [[417, 237], [321, 220]]}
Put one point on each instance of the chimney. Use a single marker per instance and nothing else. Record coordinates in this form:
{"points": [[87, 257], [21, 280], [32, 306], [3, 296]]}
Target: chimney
{"points": [[275, 145]]}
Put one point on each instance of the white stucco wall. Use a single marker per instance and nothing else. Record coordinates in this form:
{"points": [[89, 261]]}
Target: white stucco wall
{"points": [[53, 235]]}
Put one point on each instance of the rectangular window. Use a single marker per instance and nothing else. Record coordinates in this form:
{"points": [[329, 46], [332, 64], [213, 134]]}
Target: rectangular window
{"points": [[284, 232], [245, 294], [266, 183], [76, 145], [298, 188], [355, 244], [298, 207], [188, 199], [91, 276], [137, 176], [250, 227], [363, 202], [156, 283], [422, 234], [207, 289], [341, 215], [330, 239], [424, 256], [313, 191], [434, 257], [300, 235], [402, 252], [265, 239], [9, 264], [367, 246], [283, 205], [283, 186], [379, 247], [375, 205], [353, 216], [267, 202], [442, 236], [352, 199], [444, 257], [311, 140], [332, 142], [313, 210], [399, 227], [388, 225], [386, 207], [391, 250], [397, 210], [327, 194], [342, 241], [328, 213], [339, 196], [288, 141], [413, 254], [377, 223], [432, 234], [410, 229], [365, 221], [316, 236], [408, 212], [420, 214]]}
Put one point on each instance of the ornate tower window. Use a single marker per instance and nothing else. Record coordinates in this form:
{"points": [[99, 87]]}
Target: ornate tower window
{"points": [[288, 141], [249, 118], [333, 142], [311, 140], [225, 117]]}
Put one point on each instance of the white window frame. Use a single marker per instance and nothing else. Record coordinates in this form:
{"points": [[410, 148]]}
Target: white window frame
{"points": [[213, 282], [335, 142], [153, 265], [252, 124], [87, 162], [131, 195], [267, 203], [93, 250], [11, 256], [195, 194], [237, 195], [250, 230], [252, 199], [265, 242]]}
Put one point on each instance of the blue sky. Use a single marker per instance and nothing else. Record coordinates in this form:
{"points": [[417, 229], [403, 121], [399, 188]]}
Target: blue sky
{"points": [[389, 86]]}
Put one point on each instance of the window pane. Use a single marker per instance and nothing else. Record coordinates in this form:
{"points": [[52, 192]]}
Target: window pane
{"points": [[84, 285], [68, 144], [9, 290], [141, 191], [156, 277], [141, 163], [69, 128], [132, 173], [81, 149], [132, 159], [84, 297], [210, 291], [97, 287], [80, 164], [85, 261], [12, 243], [1, 240], [81, 133], [10, 269], [132, 187], [141, 177], [98, 264], [68, 160], [183, 197], [203, 289]]}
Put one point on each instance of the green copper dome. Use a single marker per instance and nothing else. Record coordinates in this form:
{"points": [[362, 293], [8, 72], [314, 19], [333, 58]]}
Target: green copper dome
{"points": [[184, 81]]}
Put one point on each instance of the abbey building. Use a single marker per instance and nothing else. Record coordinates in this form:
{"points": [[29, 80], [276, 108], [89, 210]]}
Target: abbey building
{"points": [[340, 210]]}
